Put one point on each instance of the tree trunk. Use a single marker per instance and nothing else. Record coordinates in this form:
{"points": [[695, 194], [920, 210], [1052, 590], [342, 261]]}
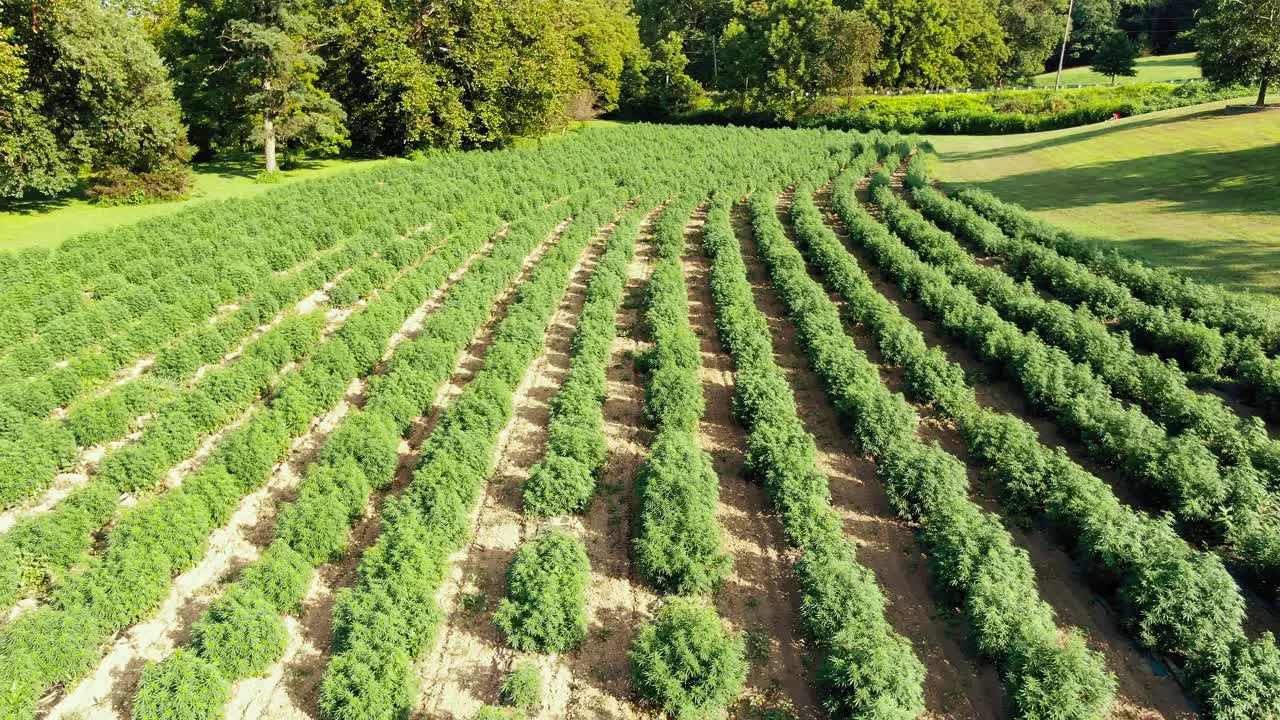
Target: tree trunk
{"points": [[269, 143], [1262, 87]]}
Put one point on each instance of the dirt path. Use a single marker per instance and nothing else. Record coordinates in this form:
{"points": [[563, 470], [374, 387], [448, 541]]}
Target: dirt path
{"points": [[760, 597], [464, 669], [617, 600], [958, 684], [1146, 688], [108, 692]]}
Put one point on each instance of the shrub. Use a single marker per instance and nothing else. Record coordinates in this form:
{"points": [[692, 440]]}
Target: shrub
{"points": [[522, 688], [685, 663], [545, 609], [184, 686]]}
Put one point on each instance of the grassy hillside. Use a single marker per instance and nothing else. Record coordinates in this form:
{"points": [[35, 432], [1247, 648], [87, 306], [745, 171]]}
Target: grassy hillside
{"points": [[1150, 69], [1195, 189], [45, 223]]}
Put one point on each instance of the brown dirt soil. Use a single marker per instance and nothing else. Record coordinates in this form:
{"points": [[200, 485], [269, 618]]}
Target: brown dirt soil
{"points": [[617, 600], [465, 667], [108, 692], [958, 684], [1146, 689], [760, 597]]}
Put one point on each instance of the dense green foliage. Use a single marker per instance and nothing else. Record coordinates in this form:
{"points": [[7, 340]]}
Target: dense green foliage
{"points": [[564, 482], [1162, 586], [1014, 111], [868, 671], [1048, 674], [545, 609], [685, 663], [1238, 41], [81, 86]]}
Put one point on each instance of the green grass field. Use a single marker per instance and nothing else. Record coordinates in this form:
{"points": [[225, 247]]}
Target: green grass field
{"points": [[1195, 189], [48, 222], [1150, 69]]}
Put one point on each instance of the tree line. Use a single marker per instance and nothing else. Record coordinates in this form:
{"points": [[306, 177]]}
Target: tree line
{"points": [[124, 93]]}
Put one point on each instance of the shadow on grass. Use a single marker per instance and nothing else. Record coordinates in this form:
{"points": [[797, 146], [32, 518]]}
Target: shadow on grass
{"points": [[1097, 130], [1221, 183], [247, 165], [37, 206], [1235, 181]]}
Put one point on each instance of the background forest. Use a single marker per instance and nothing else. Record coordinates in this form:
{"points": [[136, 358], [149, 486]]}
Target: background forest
{"points": [[119, 95]]}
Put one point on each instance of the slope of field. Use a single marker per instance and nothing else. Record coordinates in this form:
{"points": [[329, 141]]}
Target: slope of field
{"points": [[1150, 69], [1193, 189], [45, 223]]}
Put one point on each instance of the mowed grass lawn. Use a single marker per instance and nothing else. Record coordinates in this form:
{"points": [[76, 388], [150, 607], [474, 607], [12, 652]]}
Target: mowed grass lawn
{"points": [[1196, 189], [45, 223], [1150, 69]]}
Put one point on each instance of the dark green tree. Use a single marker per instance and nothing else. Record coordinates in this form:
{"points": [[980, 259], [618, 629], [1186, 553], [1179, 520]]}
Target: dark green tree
{"points": [[657, 85], [1116, 57], [1032, 31], [247, 71], [937, 43], [782, 56], [701, 25], [82, 88], [606, 38], [1238, 41], [468, 73]]}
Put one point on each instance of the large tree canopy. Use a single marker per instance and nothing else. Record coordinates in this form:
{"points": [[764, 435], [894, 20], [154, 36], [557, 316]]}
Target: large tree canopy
{"points": [[938, 43], [82, 88], [781, 55], [464, 72], [1238, 41], [247, 71]]}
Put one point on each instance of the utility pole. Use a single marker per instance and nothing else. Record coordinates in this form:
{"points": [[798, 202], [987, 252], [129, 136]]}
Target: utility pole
{"points": [[1066, 35]]}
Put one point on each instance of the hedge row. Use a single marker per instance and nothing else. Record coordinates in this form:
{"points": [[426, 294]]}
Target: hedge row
{"points": [[1225, 504], [564, 482], [62, 641], [1048, 673], [1174, 599], [383, 623], [360, 456], [1209, 304], [1156, 386], [868, 670], [678, 545]]}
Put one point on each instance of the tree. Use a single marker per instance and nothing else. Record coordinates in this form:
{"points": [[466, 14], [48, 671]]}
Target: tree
{"points": [[247, 70], [780, 57], [1116, 57], [657, 85], [606, 38], [701, 25], [937, 43], [1238, 41], [1032, 30], [463, 73], [83, 88]]}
